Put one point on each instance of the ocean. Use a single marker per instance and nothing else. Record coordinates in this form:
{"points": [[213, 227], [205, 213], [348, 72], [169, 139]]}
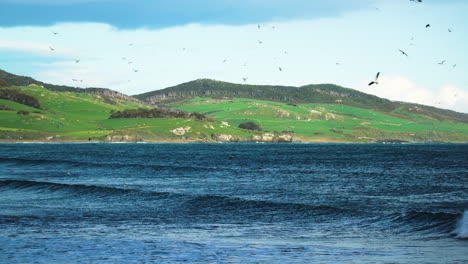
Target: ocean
{"points": [[233, 203]]}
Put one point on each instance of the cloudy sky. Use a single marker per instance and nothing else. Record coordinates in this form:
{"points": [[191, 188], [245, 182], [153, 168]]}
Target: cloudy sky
{"points": [[144, 45]]}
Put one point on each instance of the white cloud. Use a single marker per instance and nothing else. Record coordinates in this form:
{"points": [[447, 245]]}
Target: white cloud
{"points": [[402, 89], [37, 48]]}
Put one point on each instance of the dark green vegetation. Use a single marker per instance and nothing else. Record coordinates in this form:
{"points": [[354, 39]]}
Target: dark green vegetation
{"points": [[155, 113], [16, 95], [210, 111], [250, 126], [4, 83]]}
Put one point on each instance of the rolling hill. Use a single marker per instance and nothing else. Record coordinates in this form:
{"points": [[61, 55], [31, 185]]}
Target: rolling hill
{"points": [[212, 111]]}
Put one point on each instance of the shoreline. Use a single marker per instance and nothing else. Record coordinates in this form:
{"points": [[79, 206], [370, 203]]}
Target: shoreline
{"points": [[218, 142]]}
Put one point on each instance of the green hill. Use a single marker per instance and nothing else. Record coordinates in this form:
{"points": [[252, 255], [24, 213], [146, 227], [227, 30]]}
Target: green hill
{"points": [[17, 80], [309, 94], [315, 113], [81, 117]]}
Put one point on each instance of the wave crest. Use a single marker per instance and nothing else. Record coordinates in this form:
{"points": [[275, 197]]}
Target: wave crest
{"points": [[462, 227]]}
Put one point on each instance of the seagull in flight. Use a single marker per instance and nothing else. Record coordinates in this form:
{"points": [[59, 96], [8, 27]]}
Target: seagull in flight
{"points": [[449, 30], [376, 79], [51, 49], [280, 69], [402, 52], [441, 63], [245, 79], [428, 25], [135, 70], [417, 1], [76, 61], [224, 60]]}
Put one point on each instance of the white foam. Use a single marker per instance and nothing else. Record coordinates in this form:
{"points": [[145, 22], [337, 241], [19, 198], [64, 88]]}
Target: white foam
{"points": [[462, 227]]}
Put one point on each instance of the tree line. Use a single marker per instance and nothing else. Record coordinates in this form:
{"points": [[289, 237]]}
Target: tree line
{"points": [[155, 113]]}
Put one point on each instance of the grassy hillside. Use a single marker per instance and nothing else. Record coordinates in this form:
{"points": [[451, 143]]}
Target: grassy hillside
{"points": [[17, 80], [329, 122], [310, 94], [317, 113], [70, 116]]}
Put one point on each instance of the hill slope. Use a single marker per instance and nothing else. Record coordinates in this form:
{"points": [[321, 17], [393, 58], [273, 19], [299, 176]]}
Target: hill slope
{"points": [[16, 80], [310, 94], [329, 122]]}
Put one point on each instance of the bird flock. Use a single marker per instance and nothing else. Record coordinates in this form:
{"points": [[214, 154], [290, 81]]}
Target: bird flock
{"points": [[260, 42], [375, 81]]}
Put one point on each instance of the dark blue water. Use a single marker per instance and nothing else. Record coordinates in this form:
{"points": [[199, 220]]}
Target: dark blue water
{"points": [[233, 203]]}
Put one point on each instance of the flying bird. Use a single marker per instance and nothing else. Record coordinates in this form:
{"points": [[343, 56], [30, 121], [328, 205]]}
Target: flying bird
{"points": [[224, 60], [258, 26], [428, 25], [449, 30], [376, 79], [418, 1], [337, 64], [135, 70], [260, 42], [402, 52], [245, 79], [455, 65], [76, 61], [280, 69], [441, 63], [51, 49]]}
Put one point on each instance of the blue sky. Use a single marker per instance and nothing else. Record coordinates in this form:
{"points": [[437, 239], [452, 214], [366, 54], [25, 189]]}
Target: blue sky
{"points": [[164, 13], [139, 46]]}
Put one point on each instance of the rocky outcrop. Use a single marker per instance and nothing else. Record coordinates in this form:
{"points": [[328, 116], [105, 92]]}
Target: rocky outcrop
{"points": [[272, 138], [225, 138], [122, 138], [181, 131]]}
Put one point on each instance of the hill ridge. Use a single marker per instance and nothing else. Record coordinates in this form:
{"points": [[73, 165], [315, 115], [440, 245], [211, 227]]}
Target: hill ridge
{"points": [[18, 80]]}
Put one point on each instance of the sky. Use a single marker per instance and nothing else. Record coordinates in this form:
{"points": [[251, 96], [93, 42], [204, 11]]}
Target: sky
{"points": [[145, 45]]}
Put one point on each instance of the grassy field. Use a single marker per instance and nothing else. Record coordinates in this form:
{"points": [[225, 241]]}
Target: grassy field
{"points": [[70, 116], [331, 122]]}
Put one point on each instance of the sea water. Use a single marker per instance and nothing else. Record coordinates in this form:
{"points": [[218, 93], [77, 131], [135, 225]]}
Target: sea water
{"points": [[233, 203]]}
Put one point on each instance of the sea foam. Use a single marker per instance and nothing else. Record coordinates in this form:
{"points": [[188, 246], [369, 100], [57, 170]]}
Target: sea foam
{"points": [[462, 227]]}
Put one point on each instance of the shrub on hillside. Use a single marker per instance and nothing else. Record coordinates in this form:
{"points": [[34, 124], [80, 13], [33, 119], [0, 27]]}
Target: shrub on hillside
{"points": [[16, 96], [250, 126], [22, 112], [5, 108], [155, 113], [4, 83]]}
